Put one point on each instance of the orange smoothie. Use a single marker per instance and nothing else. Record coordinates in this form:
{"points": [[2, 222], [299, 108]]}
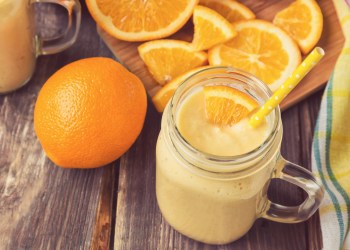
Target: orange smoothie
{"points": [[213, 170], [204, 206], [213, 139]]}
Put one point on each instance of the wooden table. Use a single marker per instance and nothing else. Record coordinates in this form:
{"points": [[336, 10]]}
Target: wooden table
{"points": [[46, 207]]}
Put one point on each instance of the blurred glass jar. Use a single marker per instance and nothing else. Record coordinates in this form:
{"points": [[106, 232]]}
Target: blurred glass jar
{"points": [[20, 45]]}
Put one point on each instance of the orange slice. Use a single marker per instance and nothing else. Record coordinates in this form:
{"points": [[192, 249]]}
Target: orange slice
{"points": [[141, 20], [162, 97], [225, 105], [232, 10], [167, 59], [210, 28], [260, 48], [303, 21]]}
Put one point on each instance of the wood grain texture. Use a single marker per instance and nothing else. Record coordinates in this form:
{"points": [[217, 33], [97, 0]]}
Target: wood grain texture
{"points": [[308, 113], [43, 206], [137, 215], [331, 41], [104, 226]]}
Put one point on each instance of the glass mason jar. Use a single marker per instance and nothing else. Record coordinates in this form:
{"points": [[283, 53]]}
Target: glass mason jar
{"points": [[19, 44], [216, 199]]}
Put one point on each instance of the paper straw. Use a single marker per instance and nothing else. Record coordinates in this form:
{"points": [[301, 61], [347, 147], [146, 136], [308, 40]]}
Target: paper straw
{"points": [[309, 62]]}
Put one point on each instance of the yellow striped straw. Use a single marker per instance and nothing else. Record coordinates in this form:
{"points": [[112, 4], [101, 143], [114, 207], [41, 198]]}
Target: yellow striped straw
{"points": [[309, 62]]}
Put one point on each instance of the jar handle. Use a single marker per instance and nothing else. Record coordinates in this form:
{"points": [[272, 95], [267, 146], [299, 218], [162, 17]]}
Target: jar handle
{"points": [[304, 179], [62, 42]]}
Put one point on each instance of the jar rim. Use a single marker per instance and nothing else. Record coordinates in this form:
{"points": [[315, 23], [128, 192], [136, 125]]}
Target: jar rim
{"points": [[202, 160]]}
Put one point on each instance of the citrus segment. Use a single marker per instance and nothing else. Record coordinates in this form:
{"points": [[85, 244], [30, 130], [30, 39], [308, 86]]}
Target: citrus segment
{"points": [[89, 113], [231, 10], [259, 48], [162, 97], [167, 59], [210, 28], [225, 105], [141, 20], [303, 21]]}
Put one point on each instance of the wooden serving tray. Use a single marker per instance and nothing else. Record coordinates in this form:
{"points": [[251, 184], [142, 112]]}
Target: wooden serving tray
{"points": [[331, 41]]}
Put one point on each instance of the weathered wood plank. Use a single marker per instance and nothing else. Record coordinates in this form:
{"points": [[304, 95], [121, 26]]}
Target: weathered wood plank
{"points": [[42, 206], [137, 217], [104, 225], [308, 115]]}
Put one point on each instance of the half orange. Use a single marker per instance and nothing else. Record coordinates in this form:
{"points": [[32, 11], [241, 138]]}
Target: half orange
{"points": [[141, 20]]}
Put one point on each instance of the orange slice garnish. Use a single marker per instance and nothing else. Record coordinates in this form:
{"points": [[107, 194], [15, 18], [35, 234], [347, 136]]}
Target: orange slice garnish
{"points": [[225, 105]]}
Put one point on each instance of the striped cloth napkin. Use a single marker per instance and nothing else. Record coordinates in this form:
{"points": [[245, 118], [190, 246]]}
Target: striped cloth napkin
{"points": [[331, 145]]}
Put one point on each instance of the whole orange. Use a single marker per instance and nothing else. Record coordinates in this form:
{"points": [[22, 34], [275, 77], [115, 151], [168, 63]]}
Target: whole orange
{"points": [[89, 113]]}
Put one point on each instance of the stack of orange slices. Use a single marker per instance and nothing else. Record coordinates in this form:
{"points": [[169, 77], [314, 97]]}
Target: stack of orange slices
{"points": [[225, 33]]}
